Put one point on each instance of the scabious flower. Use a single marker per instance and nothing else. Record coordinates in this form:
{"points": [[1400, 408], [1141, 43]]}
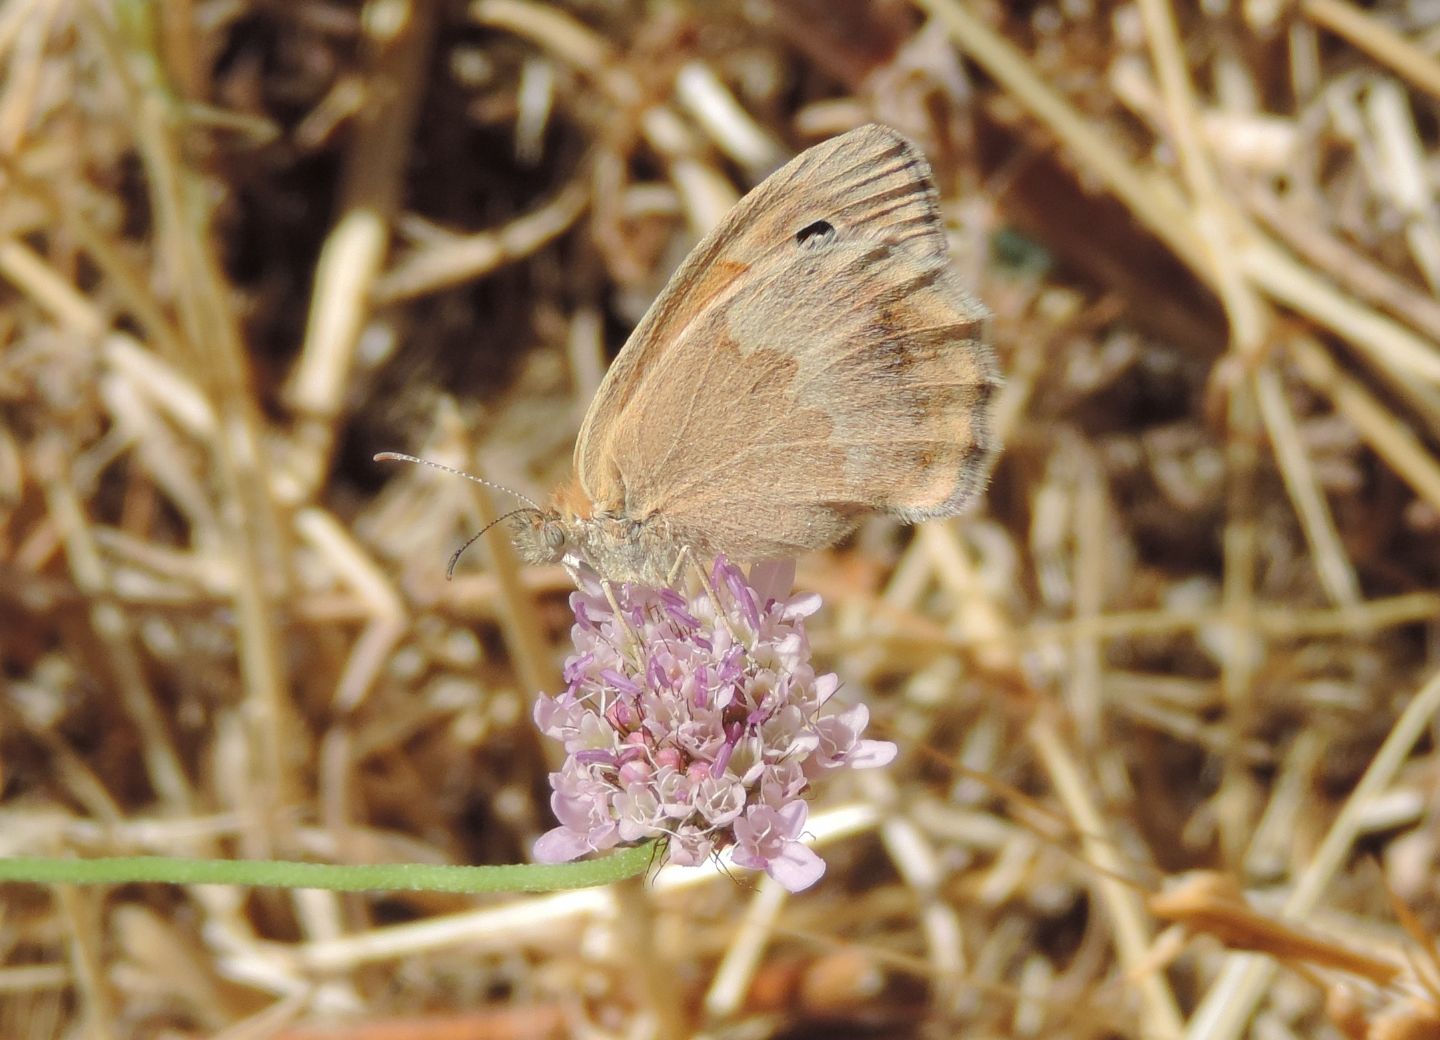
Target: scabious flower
{"points": [[700, 728]]}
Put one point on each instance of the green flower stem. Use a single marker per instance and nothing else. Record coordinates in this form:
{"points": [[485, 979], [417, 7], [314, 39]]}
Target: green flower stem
{"points": [[408, 877]]}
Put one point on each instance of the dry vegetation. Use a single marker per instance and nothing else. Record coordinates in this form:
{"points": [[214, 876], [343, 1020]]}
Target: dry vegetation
{"points": [[1171, 693]]}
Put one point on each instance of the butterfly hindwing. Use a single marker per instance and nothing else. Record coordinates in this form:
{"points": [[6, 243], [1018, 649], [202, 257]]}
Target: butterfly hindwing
{"points": [[847, 376]]}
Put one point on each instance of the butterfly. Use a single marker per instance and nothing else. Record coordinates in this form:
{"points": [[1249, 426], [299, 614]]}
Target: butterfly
{"points": [[813, 361]]}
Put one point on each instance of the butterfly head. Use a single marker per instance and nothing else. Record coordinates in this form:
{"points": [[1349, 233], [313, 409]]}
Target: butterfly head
{"points": [[541, 535], [547, 535]]}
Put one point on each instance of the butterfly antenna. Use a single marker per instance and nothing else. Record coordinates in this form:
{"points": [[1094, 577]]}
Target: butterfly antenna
{"points": [[395, 456], [455, 556]]}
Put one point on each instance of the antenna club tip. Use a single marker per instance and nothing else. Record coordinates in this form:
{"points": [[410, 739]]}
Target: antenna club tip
{"points": [[399, 456]]}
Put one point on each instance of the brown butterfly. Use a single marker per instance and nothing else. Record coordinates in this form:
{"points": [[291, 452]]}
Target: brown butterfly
{"points": [[814, 360]]}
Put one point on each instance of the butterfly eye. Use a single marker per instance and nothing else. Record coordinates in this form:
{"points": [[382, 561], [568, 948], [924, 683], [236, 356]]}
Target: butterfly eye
{"points": [[553, 535], [816, 234]]}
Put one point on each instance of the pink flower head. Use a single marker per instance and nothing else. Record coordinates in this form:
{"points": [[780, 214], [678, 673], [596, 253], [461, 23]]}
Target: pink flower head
{"points": [[705, 731]]}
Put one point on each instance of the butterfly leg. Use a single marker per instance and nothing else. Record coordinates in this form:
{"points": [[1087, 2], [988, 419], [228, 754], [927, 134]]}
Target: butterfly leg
{"points": [[686, 557], [632, 638], [683, 557]]}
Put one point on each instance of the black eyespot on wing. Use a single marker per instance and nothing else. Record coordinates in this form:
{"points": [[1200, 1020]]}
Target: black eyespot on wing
{"points": [[816, 234]]}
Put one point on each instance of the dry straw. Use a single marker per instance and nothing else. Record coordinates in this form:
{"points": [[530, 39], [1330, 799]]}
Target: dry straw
{"points": [[1192, 629]]}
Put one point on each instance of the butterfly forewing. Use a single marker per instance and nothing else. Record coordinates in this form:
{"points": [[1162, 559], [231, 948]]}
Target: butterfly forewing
{"points": [[868, 183]]}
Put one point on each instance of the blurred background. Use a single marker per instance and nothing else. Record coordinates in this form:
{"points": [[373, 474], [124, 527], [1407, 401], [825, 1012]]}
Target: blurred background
{"points": [[1169, 694]]}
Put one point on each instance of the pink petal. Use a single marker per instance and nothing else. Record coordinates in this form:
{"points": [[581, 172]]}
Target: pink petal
{"points": [[797, 868], [560, 845], [773, 579], [792, 817], [870, 754], [802, 606]]}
